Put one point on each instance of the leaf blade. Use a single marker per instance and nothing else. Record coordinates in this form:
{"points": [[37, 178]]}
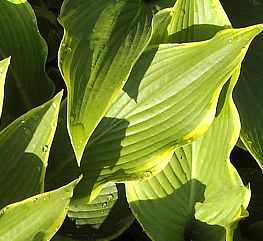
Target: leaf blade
{"points": [[4, 64], [38, 217], [26, 79], [97, 63], [25, 167]]}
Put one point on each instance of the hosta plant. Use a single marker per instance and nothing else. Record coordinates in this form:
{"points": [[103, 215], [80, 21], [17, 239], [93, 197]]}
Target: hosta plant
{"points": [[125, 113]]}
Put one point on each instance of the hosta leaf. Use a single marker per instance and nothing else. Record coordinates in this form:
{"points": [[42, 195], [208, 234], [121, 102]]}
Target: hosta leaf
{"points": [[36, 218], [24, 148], [4, 64], [104, 218], [189, 21], [102, 41], [20, 39], [199, 186], [248, 94], [162, 108]]}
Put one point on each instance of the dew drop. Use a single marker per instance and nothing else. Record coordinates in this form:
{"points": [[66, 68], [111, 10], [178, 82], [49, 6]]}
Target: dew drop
{"points": [[54, 105], [68, 49], [2, 212], [45, 148], [104, 205], [147, 174], [110, 197]]}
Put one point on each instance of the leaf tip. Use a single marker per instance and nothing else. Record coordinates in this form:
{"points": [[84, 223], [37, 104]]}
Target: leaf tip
{"points": [[78, 140], [5, 63]]}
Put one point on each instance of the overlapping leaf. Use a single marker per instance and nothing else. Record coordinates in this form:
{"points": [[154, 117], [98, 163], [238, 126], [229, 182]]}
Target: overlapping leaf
{"points": [[36, 218], [199, 186], [24, 148], [189, 21], [27, 84], [248, 94], [4, 64], [164, 106], [102, 41], [104, 218]]}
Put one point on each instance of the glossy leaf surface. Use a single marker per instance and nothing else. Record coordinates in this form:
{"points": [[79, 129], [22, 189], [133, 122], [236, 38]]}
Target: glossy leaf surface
{"points": [[24, 148], [199, 186], [102, 41], [36, 218], [162, 108], [4, 64]]}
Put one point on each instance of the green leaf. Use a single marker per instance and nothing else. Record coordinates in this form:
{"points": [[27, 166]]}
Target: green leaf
{"points": [[36, 218], [199, 192], [102, 42], [26, 79], [189, 21], [248, 97], [248, 93], [24, 148], [4, 64], [163, 108], [105, 218]]}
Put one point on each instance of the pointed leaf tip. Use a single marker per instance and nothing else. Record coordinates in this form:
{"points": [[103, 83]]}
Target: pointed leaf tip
{"points": [[78, 139], [260, 26], [254, 30], [58, 96]]}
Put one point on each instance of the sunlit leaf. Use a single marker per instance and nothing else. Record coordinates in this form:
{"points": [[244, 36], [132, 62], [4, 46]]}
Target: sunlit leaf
{"points": [[24, 148], [36, 218], [162, 108], [199, 193], [102, 41], [4, 64]]}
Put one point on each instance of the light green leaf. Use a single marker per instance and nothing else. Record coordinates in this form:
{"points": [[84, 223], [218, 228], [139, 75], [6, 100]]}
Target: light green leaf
{"points": [[36, 218], [199, 184], [24, 148], [26, 79], [189, 21], [163, 107], [102, 41], [105, 218], [4, 64]]}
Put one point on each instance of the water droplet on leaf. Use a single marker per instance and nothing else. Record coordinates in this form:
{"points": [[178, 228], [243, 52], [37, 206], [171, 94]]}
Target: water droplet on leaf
{"points": [[110, 197], [104, 205], [147, 174], [45, 148]]}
